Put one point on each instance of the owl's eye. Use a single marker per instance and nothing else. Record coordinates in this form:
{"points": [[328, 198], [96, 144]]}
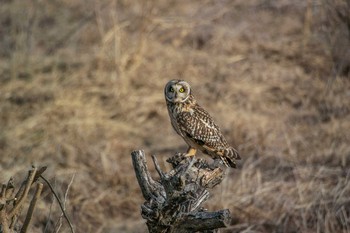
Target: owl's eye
{"points": [[171, 89], [182, 90]]}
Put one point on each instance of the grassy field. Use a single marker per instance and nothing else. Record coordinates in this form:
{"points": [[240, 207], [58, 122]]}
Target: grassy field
{"points": [[81, 86]]}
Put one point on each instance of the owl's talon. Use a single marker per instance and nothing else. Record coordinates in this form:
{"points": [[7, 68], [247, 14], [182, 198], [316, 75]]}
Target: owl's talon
{"points": [[190, 152]]}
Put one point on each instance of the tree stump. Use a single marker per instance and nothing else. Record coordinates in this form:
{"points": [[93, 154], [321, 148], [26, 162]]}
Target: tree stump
{"points": [[173, 204]]}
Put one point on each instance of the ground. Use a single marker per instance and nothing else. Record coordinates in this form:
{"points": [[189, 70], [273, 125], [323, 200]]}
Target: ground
{"points": [[81, 86]]}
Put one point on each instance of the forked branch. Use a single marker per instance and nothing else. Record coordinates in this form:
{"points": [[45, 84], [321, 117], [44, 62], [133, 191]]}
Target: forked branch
{"points": [[173, 204], [11, 206], [11, 203]]}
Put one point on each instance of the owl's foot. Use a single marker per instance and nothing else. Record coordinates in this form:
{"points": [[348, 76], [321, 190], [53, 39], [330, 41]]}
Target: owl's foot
{"points": [[190, 152], [179, 157]]}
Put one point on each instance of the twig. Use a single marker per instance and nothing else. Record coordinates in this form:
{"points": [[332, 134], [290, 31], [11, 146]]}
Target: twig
{"points": [[10, 188], [3, 190], [146, 183], [39, 188], [50, 211], [60, 203], [156, 165], [64, 202], [11, 204], [23, 196], [4, 221]]}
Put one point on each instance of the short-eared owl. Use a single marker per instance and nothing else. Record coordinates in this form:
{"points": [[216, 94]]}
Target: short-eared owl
{"points": [[195, 125]]}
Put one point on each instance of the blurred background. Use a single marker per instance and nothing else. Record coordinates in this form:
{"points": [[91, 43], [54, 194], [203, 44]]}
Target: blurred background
{"points": [[81, 86]]}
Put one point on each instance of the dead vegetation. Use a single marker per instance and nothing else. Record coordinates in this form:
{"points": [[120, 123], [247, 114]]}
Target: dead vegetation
{"points": [[81, 85], [173, 204], [13, 201]]}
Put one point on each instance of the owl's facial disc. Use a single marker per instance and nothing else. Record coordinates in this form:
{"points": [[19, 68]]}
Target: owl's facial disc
{"points": [[177, 91]]}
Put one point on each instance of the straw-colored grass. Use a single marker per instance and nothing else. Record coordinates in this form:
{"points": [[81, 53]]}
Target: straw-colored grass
{"points": [[81, 86]]}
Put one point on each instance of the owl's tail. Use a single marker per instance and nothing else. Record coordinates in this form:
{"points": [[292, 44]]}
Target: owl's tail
{"points": [[230, 156]]}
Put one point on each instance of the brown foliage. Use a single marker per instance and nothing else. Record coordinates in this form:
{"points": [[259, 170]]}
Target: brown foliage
{"points": [[81, 86]]}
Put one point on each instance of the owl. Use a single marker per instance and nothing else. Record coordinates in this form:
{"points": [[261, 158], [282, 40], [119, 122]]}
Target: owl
{"points": [[195, 125]]}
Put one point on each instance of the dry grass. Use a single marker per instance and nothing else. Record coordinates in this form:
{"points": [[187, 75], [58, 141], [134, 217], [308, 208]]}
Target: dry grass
{"points": [[81, 86]]}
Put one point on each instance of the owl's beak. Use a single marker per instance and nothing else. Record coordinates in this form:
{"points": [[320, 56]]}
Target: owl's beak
{"points": [[177, 100]]}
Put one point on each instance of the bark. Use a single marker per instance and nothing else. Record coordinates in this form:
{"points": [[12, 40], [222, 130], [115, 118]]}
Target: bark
{"points": [[173, 204]]}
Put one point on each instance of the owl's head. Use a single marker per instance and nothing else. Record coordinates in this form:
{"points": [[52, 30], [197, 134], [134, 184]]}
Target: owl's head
{"points": [[177, 91]]}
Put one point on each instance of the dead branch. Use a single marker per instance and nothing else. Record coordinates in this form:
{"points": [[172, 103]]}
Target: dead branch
{"points": [[60, 204], [11, 206], [23, 195], [39, 188], [59, 222], [173, 204]]}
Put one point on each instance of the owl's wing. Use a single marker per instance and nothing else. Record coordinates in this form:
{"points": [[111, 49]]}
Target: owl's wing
{"points": [[200, 127]]}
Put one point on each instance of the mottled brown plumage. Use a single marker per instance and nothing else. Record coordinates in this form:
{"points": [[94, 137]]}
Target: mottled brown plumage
{"points": [[195, 125]]}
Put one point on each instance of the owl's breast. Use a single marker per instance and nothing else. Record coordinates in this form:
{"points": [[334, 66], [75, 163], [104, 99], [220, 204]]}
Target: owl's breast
{"points": [[173, 111]]}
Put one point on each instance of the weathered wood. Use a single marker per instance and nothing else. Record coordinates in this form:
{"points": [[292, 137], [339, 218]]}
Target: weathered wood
{"points": [[173, 204], [11, 205], [205, 221], [150, 188]]}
